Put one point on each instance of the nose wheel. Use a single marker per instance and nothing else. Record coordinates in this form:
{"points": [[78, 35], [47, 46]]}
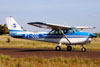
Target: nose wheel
{"points": [[69, 48], [83, 49]]}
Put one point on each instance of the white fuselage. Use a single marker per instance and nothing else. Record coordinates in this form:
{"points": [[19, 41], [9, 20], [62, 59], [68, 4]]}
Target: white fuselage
{"points": [[44, 36]]}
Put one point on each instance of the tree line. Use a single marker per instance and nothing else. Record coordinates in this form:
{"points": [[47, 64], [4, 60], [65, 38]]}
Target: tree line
{"points": [[4, 30]]}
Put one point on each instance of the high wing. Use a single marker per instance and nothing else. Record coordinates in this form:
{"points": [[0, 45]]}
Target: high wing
{"points": [[48, 25], [56, 26]]}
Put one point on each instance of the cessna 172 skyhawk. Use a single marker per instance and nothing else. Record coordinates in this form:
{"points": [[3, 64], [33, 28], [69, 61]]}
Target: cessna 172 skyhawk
{"points": [[59, 34]]}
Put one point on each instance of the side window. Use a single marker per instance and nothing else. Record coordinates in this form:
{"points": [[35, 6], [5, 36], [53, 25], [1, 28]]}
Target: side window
{"points": [[58, 32], [55, 32], [65, 31], [71, 31], [52, 32]]}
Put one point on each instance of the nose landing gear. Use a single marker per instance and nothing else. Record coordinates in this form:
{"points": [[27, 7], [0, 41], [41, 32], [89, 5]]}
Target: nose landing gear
{"points": [[83, 49]]}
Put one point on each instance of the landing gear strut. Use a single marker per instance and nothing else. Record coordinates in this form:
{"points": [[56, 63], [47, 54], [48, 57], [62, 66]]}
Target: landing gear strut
{"points": [[83, 49], [69, 48]]}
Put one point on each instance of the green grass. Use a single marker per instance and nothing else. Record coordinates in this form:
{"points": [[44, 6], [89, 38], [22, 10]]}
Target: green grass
{"points": [[7, 61]]}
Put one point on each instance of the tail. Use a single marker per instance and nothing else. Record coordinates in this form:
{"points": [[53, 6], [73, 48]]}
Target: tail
{"points": [[13, 27]]}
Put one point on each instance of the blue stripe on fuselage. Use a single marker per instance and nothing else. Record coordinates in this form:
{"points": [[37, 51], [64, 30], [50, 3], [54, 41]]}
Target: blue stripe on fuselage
{"points": [[46, 35]]}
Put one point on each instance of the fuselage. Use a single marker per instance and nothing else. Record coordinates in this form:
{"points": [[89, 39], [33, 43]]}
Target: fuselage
{"points": [[59, 34], [75, 38]]}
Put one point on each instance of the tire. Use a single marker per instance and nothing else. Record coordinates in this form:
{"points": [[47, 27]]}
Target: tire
{"points": [[69, 48], [58, 48], [83, 49]]}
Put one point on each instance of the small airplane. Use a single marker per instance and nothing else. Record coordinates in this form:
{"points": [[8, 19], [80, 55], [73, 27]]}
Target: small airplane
{"points": [[59, 34]]}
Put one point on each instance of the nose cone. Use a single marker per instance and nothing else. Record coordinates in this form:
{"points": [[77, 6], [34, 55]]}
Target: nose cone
{"points": [[93, 35]]}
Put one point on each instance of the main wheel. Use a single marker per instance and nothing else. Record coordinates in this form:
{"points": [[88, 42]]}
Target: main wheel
{"points": [[58, 48], [69, 48], [83, 49]]}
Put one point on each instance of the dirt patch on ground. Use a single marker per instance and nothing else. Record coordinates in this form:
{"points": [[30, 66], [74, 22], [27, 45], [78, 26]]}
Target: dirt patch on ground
{"points": [[48, 53]]}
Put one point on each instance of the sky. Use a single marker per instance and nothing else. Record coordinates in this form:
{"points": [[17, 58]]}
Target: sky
{"points": [[64, 12]]}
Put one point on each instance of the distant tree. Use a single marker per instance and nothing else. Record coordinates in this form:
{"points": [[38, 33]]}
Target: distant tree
{"points": [[98, 34], [0, 29], [3, 29]]}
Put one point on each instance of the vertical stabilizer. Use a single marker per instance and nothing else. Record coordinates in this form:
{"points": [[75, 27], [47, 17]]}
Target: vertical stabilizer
{"points": [[12, 24], [13, 27]]}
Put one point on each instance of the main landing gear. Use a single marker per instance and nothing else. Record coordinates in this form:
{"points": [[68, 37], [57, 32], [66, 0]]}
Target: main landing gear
{"points": [[58, 48], [69, 48]]}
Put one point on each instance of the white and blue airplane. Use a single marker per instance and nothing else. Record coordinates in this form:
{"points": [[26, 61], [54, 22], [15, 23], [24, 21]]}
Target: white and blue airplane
{"points": [[59, 34]]}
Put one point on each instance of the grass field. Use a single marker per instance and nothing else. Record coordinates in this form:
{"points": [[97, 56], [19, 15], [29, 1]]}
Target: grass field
{"points": [[7, 61], [22, 43]]}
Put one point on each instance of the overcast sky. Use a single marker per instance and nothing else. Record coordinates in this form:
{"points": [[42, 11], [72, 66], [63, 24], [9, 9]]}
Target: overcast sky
{"points": [[65, 12]]}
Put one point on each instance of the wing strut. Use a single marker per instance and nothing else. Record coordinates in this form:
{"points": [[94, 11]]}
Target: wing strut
{"points": [[65, 36]]}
